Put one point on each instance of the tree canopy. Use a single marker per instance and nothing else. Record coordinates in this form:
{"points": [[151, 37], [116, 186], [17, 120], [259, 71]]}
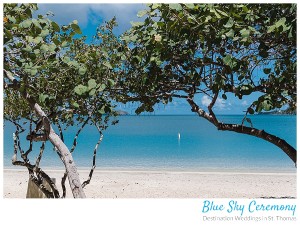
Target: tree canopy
{"points": [[182, 50], [217, 48], [68, 78]]}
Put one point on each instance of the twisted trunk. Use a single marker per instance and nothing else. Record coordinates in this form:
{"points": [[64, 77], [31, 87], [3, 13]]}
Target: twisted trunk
{"points": [[62, 149]]}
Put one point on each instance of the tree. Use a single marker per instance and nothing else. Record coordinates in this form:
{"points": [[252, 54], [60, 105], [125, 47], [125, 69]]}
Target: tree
{"points": [[53, 78], [184, 50]]}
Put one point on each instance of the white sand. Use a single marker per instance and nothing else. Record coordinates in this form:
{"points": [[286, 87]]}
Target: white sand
{"points": [[162, 184]]}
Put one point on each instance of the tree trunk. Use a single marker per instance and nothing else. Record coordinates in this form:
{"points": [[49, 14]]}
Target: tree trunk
{"points": [[282, 144], [68, 161], [64, 153], [62, 149]]}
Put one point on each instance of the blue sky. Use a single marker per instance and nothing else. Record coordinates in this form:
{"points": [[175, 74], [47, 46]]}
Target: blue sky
{"points": [[90, 16]]}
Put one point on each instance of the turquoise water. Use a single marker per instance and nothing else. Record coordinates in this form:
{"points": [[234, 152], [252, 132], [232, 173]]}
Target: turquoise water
{"points": [[152, 143]]}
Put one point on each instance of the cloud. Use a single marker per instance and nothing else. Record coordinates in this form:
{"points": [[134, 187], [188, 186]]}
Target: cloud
{"points": [[66, 13], [244, 103], [220, 103], [93, 13], [205, 100]]}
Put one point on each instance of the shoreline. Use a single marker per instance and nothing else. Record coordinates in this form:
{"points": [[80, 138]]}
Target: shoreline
{"points": [[165, 184], [167, 171]]}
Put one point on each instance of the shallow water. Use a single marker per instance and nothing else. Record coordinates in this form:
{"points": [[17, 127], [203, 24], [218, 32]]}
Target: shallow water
{"points": [[153, 143]]}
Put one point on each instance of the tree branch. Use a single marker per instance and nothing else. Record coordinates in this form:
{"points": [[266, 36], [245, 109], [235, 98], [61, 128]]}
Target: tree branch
{"points": [[77, 134], [210, 106], [282, 144], [94, 159]]}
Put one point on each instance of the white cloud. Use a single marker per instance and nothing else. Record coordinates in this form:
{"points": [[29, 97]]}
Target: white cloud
{"points": [[244, 103], [205, 100], [93, 13], [220, 103], [66, 13]]}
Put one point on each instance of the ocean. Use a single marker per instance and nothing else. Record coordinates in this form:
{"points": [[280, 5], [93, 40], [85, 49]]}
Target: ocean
{"points": [[173, 143]]}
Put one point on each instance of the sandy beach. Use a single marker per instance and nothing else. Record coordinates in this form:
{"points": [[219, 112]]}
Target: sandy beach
{"points": [[163, 184]]}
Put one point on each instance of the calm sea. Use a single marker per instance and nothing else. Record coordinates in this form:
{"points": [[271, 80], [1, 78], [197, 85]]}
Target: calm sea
{"points": [[153, 143]]}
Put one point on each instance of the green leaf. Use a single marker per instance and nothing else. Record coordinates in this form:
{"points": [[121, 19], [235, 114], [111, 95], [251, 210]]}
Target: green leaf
{"points": [[137, 24], [280, 22], [177, 7], [92, 83], [92, 92], [37, 40], [246, 90], [66, 59], [76, 28], [107, 64], [245, 9], [44, 48], [245, 33], [25, 23], [36, 51], [155, 5], [290, 33], [229, 23], [190, 5], [222, 12], [52, 48], [12, 19], [33, 72], [44, 33], [64, 44], [75, 104], [160, 24], [230, 61], [43, 97], [227, 59], [27, 48], [111, 82], [73, 63], [216, 13], [82, 70], [80, 89], [102, 111], [271, 28], [102, 87], [36, 23], [267, 105], [230, 33], [142, 13], [208, 18], [55, 27]]}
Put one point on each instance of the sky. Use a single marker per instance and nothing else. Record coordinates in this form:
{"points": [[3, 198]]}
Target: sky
{"points": [[90, 16]]}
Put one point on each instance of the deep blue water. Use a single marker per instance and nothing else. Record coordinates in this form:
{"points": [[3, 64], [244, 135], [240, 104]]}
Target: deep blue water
{"points": [[151, 142]]}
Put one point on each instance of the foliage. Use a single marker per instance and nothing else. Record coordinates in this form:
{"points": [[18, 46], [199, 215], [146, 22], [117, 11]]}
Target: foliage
{"points": [[69, 78], [214, 49], [53, 77]]}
